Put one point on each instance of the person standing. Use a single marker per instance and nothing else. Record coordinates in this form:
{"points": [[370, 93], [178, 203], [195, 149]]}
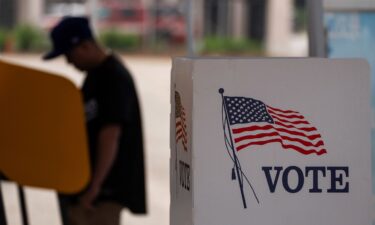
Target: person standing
{"points": [[113, 126]]}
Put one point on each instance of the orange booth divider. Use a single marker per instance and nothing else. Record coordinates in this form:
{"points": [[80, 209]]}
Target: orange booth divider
{"points": [[42, 132]]}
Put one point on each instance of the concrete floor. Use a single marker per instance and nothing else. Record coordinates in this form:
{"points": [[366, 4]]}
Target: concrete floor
{"points": [[152, 78]]}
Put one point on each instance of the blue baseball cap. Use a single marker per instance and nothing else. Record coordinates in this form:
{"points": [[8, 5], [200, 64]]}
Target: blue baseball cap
{"points": [[68, 33]]}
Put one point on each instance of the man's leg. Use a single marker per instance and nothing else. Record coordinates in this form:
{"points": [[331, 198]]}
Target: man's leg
{"points": [[105, 213]]}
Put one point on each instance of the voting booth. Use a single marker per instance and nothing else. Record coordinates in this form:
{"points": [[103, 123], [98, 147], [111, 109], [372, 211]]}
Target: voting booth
{"points": [[350, 29], [42, 136], [270, 141]]}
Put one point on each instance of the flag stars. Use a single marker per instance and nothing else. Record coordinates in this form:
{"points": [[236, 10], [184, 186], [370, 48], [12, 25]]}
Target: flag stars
{"points": [[246, 110]]}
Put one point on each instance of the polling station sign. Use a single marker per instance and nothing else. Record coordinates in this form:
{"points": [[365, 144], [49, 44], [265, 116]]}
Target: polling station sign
{"points": [[270, 141]]}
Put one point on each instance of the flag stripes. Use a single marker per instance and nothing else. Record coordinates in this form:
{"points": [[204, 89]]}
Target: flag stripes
{"points": [[254, 123], [180, 117], [181, 130]]}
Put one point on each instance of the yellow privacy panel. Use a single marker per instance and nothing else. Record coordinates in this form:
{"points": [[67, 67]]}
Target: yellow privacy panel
{"points": [[42, 132]]}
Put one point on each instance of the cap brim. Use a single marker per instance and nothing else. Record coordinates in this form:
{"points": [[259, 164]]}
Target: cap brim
{"points": [[52, 54]]}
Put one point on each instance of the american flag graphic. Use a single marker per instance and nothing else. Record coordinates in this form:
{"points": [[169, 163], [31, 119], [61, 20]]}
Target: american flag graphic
{"points": [[181, 134], [253, 123]]}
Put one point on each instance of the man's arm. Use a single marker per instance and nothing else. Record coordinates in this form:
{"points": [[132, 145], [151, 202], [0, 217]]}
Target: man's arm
{"points": [[107, 148]]}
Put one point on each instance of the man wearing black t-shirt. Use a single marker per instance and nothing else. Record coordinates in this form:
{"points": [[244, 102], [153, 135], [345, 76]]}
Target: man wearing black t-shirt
{"points": [[113, 125]]}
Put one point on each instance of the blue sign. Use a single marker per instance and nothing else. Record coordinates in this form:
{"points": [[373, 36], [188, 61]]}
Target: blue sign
{"points": [[352, 35]]}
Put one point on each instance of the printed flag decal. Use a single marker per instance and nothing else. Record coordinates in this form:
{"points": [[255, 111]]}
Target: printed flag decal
{"points": [[252, 122], [248, 122], [181, 134]]}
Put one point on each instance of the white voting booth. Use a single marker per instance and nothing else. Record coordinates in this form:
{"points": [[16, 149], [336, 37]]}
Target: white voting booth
{"points": [[270, 141]]}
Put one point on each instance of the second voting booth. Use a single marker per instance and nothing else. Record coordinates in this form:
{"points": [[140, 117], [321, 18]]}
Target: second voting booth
{"points": [[270, 141]]}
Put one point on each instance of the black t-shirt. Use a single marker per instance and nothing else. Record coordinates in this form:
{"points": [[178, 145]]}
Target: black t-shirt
{"points": [[110, 98]]}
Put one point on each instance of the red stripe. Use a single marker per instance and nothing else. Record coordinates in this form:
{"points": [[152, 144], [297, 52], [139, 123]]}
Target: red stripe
{"points": [[299, 116], [179, 137], [184, 146], [180, 121], [181, 124], [296, 133], [262, 135], [296, 148], [283, 111], [288, 121], [183, 141], [182, 138], [307, 129], [251, 128], [305, 143], [249, 137], [181, 134], [268, 127], [180, 131]]}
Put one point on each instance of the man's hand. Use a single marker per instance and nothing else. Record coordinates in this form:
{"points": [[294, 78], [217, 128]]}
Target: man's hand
{"points": [[107, 149], [89, 197]]}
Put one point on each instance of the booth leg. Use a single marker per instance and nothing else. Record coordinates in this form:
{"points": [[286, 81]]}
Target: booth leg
{"points": [[21, 193], [2, 209]]}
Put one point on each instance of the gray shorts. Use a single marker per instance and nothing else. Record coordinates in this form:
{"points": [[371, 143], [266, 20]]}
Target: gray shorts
{"points": [[105, 213]]}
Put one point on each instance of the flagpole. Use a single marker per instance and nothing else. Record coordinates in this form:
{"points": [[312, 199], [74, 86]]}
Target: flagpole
{"points": [[176, 167], [240, 183]]}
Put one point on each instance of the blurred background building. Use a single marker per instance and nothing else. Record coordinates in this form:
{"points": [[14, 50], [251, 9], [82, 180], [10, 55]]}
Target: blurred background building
{"points": [[254, 27]]}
